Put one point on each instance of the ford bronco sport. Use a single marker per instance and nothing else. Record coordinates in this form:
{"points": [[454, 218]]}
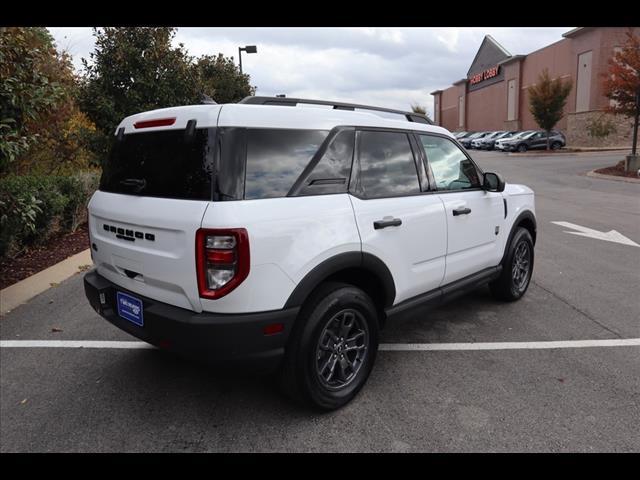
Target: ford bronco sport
{"points": [[285, 233]]}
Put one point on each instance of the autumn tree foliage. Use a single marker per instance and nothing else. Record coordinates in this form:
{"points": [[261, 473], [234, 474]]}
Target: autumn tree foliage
{"points": [[27, 56], [42, 129], [622, 82], [547, 99]]}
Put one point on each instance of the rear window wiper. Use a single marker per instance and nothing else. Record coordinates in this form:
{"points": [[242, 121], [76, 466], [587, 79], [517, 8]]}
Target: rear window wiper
{"points": [[136, 183]]}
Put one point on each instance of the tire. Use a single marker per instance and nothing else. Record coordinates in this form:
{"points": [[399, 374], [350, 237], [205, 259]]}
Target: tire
{"points": [[512, 285], [522, 148], [556, 146], [312, 371]]}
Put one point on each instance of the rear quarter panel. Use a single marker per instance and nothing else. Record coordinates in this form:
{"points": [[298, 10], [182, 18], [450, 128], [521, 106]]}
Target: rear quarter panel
{"points": [[287, 238]]}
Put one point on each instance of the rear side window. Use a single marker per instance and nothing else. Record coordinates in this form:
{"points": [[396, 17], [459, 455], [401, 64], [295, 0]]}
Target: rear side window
{"points": [[163, 163], [276, 158], [332, 172], [386, 167], [230, 169]]}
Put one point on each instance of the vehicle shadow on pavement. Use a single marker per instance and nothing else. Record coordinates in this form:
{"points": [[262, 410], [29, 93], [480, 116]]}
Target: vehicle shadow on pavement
{"points": [[177, 379], [455, 321]]}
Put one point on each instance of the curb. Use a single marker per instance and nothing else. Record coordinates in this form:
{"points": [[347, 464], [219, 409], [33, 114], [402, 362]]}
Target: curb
{"points": [[561, 153], [616, 178], [26, 289]]}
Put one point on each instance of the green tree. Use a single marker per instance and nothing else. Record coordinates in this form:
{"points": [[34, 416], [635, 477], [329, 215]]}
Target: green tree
{"points": [[135, 69], [28, 88], [220, 79], [547, 99], [417, 108]]}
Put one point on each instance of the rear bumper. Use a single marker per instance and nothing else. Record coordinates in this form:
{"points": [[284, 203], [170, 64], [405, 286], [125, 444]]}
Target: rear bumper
{"points": [[229, 339]]}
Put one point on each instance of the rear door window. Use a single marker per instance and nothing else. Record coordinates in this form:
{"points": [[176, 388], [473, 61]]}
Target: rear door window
{"points": [[386, 166], [165, 163], [276, 158]]}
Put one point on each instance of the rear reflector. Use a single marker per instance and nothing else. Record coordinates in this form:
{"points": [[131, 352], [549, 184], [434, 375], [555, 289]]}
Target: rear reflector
{"points": [[220, 256], [158, 122], [273, 328]]}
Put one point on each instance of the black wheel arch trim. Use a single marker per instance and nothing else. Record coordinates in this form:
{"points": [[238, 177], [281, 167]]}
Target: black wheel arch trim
{"points": [[337, 263], [525, 215]]}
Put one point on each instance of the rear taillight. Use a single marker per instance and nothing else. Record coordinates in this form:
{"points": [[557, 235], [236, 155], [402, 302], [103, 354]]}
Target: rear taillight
{"points": [[222, 260]]}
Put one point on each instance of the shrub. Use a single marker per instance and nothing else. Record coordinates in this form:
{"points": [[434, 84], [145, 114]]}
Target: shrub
{"points": [[17, 218], [35, 207], [600, 127]]}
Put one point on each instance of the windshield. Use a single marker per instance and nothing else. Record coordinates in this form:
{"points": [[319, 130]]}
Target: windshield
{"points": [[521, 134]]}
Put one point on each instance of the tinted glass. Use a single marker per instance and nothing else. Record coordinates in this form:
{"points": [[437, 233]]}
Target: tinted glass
{"points": [[331, 174], [451, 168], [161, 164], [231, 167], [386, 165], [276, 158]]}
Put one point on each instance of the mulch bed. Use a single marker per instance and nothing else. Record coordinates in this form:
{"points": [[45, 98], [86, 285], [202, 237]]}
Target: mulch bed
{"points": [[617, 170], [38, 258]]}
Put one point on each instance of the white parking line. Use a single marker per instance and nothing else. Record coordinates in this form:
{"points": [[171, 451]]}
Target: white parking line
{"points": [[409, 347], [71, 344], [389, 347]]}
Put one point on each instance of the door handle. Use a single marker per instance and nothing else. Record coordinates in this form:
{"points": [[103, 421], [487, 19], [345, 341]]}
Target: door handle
{"points": [[461, 211], [394, 222]]}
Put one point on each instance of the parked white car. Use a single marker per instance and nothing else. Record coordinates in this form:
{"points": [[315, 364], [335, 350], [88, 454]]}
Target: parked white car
{"points": [[278, 234]]}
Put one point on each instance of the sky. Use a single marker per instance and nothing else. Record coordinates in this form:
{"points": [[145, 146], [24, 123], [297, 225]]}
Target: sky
{"points": [[387, 67]]}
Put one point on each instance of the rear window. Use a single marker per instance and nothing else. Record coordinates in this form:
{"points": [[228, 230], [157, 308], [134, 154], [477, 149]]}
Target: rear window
{"points": [[165, 163], [276, 158]]}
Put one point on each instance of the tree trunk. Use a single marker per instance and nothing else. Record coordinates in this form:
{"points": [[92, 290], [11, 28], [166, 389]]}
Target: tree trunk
{"points": [[635, 124], [635, 133], [547, 139]]}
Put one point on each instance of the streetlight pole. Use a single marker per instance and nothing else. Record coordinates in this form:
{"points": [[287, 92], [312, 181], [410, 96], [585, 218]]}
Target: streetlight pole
{"points": [[248, 49]]}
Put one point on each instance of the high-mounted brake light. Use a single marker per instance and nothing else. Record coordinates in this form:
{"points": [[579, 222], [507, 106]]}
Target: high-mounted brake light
{"points": [[222, 260], [158, 122]]}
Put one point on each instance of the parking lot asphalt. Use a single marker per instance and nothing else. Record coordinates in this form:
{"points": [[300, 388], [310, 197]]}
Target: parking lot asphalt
{"points": [[567, 399]]}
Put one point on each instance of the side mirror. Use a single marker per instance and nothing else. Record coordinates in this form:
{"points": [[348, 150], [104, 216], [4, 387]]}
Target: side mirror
{"points": [[493, 182]]}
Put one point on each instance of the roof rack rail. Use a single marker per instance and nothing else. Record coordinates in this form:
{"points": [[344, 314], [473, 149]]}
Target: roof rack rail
{"points": [[292, 102]]}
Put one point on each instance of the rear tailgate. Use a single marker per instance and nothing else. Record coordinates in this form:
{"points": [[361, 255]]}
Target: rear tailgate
{"points": [[154, 191], [160, 265]]}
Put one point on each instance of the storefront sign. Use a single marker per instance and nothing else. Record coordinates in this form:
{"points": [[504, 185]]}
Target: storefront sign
{"points": [[486, 75]]}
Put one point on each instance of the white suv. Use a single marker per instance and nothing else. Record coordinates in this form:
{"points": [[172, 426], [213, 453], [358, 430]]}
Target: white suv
{"points": [[286, 232]]}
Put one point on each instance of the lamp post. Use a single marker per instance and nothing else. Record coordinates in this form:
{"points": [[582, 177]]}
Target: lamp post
{"points": [[248, 49]]}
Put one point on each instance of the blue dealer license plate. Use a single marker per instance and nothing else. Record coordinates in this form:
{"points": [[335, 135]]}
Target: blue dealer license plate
{"points": [[130, 308]]}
